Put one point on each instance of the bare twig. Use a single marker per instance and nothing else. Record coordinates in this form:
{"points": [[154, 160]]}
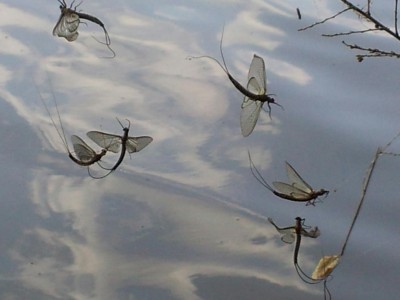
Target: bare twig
{"points": [[368, 16], [395, 16], [372, 52], [323, 21], [367, 180], [350, 32]]}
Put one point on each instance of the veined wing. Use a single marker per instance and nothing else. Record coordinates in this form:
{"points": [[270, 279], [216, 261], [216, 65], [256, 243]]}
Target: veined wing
{"points": [[110, 142], [249, 115], [291, 191], [257, 74], [296, 180], [67, 26], [135, 144], [82, 150], [288, 234], [313, 233]]}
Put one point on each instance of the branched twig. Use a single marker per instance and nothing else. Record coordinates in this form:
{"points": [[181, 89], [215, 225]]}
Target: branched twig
{"points": [[378, 26], [368, 16], [367, 180], [364, 189], [372, 52]]}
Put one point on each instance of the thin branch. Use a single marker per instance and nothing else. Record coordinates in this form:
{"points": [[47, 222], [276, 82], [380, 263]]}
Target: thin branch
{"points": [[368, 16], [395, 16], [350, 32], [323, 21], [369, 7], [367, 180], [372, 52]]}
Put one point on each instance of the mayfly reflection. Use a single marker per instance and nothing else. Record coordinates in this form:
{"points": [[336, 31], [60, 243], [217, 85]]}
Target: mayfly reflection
{"points": [[115, 142], [254, 95], [68, 24], [296, 190], [85, 155]]}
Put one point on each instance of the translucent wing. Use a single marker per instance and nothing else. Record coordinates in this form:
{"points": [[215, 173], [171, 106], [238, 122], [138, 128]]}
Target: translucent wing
{"points": [[67, 26], [108, 141], [257, 72], [249, 115], [82, 150], [325, 267], [135, 144], [288, 234], [296, 180], [313, 233], [291, 191]]}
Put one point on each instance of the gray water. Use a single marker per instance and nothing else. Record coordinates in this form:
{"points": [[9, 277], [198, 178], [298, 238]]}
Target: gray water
{"points": [[184, 218]]}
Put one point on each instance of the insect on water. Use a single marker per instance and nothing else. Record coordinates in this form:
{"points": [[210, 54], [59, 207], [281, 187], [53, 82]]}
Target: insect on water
{"points": [[288, 234], [86, 156], [254, 95], [69, 20], [299, 228], [297, 190], [115, 142]]}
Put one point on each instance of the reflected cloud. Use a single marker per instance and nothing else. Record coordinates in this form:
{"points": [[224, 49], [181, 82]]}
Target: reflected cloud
{"points": [[101, 239]]}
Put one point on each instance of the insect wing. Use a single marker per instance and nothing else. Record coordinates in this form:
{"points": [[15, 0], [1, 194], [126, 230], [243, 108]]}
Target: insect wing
{"points": [[249, 115], [82, 150], [257, 74], [108, 141], [291, 191], [296, 180], [67, 26], [135, 144], [313, 233], [287, 233]]}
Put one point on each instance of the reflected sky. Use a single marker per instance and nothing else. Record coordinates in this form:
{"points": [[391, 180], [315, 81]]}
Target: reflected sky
{"points": [[184, 218]]}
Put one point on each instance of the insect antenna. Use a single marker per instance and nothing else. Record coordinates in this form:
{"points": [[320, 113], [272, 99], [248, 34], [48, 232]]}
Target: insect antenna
{"points": [[76, 6]]}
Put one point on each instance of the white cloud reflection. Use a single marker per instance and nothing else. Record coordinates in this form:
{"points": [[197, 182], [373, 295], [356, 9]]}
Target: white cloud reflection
{"points": [[132, 231]]}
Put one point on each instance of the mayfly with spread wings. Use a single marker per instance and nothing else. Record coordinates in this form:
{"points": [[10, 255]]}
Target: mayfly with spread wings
{"points": [[68, 24], [288, 234], [115, 142], [85, 155], [254, 95], [296, 190]]}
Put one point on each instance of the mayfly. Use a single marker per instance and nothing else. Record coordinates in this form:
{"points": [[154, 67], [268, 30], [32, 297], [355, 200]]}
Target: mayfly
{"points": [[297, 190], [68, 23], [288, 234], [254, 95], [115, 142], [86, 156], [303, 276]]}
